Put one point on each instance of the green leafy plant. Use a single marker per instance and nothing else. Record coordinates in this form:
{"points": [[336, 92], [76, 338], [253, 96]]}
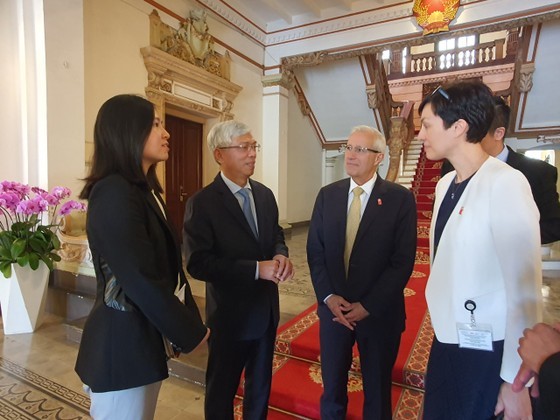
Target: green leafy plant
{"points": [[25, 239]]}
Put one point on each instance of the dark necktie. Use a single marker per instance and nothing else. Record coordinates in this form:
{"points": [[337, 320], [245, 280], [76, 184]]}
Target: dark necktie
{"points": [[243, 192]]}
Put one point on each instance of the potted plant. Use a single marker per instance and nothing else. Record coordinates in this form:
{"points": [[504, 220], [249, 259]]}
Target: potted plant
{"points": [[29, 218]]}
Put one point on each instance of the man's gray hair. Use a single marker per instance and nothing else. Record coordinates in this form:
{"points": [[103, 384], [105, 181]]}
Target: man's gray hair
{"points": [[379, 141], [222, 134]]}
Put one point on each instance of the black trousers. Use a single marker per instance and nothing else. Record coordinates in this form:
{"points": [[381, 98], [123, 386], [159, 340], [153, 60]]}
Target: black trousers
{"points": [[378, 353], [226, 360]]}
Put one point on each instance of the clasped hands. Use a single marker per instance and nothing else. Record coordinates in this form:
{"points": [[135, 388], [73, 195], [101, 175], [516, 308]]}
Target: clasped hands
{"points": [[279, 269], [536, 345], [346, 313]]}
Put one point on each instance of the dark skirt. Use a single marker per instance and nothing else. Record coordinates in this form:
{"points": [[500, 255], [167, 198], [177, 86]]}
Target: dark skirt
{"points": [[462, 384]]}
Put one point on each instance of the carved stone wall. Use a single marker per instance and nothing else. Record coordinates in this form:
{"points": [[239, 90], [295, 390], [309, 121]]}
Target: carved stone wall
{"points": [[188, 86], [191, 42]]}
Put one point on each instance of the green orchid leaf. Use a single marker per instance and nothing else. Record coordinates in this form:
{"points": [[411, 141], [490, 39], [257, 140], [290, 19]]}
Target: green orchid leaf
{"points": [[5, 253], [6, 269], [47, 261], [17, 248], [38, 245], [55, 242], [33, 261], [23, 260]]}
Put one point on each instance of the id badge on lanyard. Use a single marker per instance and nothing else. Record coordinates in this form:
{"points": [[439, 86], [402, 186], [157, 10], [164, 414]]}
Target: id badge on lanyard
{"points": [[472, 335]]}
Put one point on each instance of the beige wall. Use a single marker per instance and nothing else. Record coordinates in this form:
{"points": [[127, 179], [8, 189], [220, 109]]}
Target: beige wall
{"points": [[65, 93], [305, 162], [114, 33]]}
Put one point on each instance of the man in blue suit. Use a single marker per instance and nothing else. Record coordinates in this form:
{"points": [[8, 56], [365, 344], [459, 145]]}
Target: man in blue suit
{"points": [[233, 242], [361, 249]]}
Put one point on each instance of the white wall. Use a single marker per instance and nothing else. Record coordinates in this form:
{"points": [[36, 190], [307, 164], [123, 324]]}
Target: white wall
{"points": [[65, 93], [305, 164], [23, 113]]}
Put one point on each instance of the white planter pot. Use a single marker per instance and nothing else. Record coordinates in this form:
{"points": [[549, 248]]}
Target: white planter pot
{"points": [[22, 298]]}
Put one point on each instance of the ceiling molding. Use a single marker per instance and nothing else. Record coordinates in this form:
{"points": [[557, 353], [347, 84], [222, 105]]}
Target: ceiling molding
{"points": [[343, 23], [236, 19]]}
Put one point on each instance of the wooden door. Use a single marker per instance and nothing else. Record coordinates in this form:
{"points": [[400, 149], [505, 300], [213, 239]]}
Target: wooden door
{"points": [[183, 169]]}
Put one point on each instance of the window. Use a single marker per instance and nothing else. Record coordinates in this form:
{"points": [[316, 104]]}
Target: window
{"points": [[466, 41], [446, 44], [450, 58]]}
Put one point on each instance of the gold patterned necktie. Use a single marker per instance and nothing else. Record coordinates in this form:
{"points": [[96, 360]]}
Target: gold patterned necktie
{"points": [[352, 224]]}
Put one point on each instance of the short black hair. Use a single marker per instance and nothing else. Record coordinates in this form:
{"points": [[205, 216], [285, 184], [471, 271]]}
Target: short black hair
{"points": [[471, 101], [501, 115], [122, 127]]}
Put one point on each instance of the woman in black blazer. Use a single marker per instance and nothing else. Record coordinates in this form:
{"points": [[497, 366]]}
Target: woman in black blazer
{"points": [[122, 357]]}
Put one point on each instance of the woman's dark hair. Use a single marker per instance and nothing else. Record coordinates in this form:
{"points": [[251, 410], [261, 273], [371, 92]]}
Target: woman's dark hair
{"points": [[471, 101], [122, 127]]}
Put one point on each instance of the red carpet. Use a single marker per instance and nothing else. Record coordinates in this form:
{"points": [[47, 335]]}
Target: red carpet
{"points": [[299, 338], [297, 389], [296, 380]]}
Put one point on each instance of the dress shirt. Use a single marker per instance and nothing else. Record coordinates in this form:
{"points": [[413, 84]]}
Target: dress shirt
{"points": [[364, 198], [503, 155], [367, 187], [234, 188]]}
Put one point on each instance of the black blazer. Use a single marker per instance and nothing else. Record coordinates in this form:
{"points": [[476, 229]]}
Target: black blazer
{"points": [[130, 239], [382, 258], [542, 178], [222, 251]]}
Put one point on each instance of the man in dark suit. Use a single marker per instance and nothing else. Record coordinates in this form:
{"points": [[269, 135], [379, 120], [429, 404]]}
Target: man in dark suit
{"points": [[542, 177], [234, 243], [360, 249]]}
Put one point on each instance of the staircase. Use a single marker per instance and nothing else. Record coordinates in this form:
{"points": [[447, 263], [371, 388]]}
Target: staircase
{"points": [[410, 163]]}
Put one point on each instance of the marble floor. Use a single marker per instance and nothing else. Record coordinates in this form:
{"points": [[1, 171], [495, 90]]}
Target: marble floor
{"points": [[46, 358]]}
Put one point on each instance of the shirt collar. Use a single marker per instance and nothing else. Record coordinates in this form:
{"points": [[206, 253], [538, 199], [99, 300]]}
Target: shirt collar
{"points": [[232, 185], [503, 155], [367, 187]]}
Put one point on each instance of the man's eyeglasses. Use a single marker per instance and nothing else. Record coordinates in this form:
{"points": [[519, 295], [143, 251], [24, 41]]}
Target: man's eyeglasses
{"points": [[442, 92], [356, 149], [243, 147]]}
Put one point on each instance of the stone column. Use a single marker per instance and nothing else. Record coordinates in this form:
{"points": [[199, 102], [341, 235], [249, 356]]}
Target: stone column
{"points": [[329, 175], [274, 155]]}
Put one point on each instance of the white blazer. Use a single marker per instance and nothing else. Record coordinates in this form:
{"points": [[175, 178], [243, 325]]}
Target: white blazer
{"points": [[489, 252]]}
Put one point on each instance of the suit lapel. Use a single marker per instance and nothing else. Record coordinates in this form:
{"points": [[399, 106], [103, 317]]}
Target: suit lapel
{"points": [[161, 216], [232, 205], [341, 203], [259, 198]]}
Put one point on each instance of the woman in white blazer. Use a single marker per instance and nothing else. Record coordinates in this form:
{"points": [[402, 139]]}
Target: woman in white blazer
{"points": [[485, 281]]}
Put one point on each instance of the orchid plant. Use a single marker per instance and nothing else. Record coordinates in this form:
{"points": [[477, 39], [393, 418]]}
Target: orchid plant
{"points": [[25, 238]]}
